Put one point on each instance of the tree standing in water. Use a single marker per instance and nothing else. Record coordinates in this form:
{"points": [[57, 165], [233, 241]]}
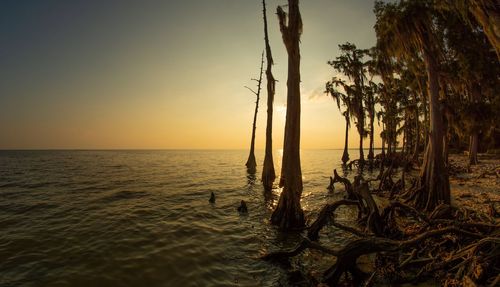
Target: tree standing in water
{"points": [[370, 94], [289, 214], [268, 173], [350, 63], [345, 99], [251, 164]]}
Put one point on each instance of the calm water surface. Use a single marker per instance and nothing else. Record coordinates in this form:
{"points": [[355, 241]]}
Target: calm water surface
{"points": [[142, 218]]}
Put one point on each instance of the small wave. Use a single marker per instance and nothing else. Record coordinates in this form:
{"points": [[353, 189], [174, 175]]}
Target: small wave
{"points": [[123, 195], [22, 208], [39, 184], [102, 218], [28, 185], [11, 184], [92, 187]]}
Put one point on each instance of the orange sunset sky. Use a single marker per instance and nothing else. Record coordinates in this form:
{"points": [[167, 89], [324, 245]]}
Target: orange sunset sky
{"points": [[163, 74]]}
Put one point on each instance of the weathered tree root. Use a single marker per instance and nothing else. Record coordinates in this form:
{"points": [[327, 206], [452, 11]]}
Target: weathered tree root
{"points": [[455, 245], [326, 213], [355, 162], [385, 178], [348, 255], [331, 186], [493, 212], [493, 172], [357, 194], [386, 181], [347, 184]]}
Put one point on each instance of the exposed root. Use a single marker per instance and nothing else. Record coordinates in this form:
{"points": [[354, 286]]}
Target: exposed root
{"points": [[493, 172], [358, 195], [348, 255], [347, 184], [457, 246], [327, 213]]}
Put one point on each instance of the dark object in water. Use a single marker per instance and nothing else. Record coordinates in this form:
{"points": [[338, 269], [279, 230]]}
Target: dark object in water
{"points": [[212, 198], [243, 207]]}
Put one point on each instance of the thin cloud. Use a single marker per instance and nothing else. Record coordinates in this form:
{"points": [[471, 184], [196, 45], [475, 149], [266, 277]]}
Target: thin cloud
{"points": [[317, 94]]}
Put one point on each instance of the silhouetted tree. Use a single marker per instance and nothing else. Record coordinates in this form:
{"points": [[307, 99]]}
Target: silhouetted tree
{"points": [[371, 91], [288, 213], [402, 28], [351, 64], [389, 95], [344, 98], [251, 164], [268, 173]]}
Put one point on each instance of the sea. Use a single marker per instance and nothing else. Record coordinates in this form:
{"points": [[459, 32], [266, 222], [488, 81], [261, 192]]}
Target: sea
{"points": [[143, 218]]}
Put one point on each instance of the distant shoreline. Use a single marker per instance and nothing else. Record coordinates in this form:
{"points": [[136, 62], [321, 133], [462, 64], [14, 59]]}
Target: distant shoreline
{"points": [[167, 149]]}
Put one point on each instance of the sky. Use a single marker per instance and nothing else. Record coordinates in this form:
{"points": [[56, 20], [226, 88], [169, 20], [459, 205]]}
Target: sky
{"points": [[127, 74]]}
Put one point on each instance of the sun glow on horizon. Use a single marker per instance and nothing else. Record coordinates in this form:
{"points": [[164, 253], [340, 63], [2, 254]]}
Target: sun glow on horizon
{"points": [[130, 78]]}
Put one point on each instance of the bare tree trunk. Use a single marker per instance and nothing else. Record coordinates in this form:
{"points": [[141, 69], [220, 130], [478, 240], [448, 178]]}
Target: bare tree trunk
{"points": [[389, 140], [359, 82], [394, 146], [370, 152], [371, 114], [403, 147], [361, 152], [268, 172], [251, 163], [383, 147], [417, 131], [383, 139], [289, 214], [426, 121], [475, 96], [345, 156], [446, 139], [361, 132], [434, 179], [473, 147]]}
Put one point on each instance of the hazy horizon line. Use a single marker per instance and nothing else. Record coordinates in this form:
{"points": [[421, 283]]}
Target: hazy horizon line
{"points": [[158, 149]]}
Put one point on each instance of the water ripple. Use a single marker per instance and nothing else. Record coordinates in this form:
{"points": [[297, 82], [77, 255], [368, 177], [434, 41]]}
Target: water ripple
{"points": [[142, 218]]}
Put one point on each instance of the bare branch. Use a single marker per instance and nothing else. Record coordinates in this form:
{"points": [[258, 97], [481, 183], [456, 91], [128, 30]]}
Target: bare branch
{"points": [[251, 90]]}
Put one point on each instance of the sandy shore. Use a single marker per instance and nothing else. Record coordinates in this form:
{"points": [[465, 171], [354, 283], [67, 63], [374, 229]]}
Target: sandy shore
{"points": [[476, 187]]}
